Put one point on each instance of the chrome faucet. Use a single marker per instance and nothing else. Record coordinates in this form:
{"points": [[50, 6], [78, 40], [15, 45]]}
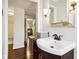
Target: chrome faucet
{"points": [[56, 37]]}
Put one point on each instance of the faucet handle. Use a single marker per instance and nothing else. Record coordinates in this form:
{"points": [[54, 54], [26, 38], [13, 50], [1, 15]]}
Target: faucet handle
{"points": [[55, 36], [60, 37]]}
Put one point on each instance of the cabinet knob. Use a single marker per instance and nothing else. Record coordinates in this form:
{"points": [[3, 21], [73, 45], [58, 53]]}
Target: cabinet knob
{"points": [[40, 56]]}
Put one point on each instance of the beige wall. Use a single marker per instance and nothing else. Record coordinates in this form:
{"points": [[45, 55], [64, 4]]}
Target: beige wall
{"points": [[10, 26]]}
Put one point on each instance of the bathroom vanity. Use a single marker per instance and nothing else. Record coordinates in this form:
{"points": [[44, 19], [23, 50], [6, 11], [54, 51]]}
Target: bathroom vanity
{"points": [[48, 48], [46, 55]]}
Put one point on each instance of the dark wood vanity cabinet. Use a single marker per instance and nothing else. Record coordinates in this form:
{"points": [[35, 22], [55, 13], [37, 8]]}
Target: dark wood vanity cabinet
{"points": [[45, 55]]}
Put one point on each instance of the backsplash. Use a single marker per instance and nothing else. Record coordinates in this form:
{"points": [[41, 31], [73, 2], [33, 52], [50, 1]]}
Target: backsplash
{"points": [[67, 33], [42, 35]]}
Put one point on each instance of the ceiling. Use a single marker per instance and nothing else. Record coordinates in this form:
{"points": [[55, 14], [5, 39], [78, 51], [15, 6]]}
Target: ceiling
{"points": [[29, 6]]}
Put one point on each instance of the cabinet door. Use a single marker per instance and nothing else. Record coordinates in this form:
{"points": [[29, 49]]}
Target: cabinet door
{"points": [[69, 55], [51, 56], [45, 55]]}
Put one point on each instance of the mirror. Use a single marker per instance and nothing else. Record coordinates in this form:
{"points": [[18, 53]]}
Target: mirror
{"points": [[62, 13]]}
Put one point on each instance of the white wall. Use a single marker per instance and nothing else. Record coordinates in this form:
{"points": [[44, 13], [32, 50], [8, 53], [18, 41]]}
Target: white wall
{"points": [[40, 16], [41, 21], [18, 28], [5, 30]]}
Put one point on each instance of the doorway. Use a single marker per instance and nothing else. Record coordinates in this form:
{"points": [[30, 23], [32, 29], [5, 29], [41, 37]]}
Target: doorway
{"points": [[22, 28]]}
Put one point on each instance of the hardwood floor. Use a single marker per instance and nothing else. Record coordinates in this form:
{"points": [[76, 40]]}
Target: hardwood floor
{"points": [[10, 51], [20, 53], [16, 53]]}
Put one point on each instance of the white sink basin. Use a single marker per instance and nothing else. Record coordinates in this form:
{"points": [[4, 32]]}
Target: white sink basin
{"points": [[55, 47]]}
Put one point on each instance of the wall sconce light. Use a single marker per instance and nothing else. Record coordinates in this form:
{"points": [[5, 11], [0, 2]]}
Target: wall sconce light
{"points": [[45, 12], [72, 6]]}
